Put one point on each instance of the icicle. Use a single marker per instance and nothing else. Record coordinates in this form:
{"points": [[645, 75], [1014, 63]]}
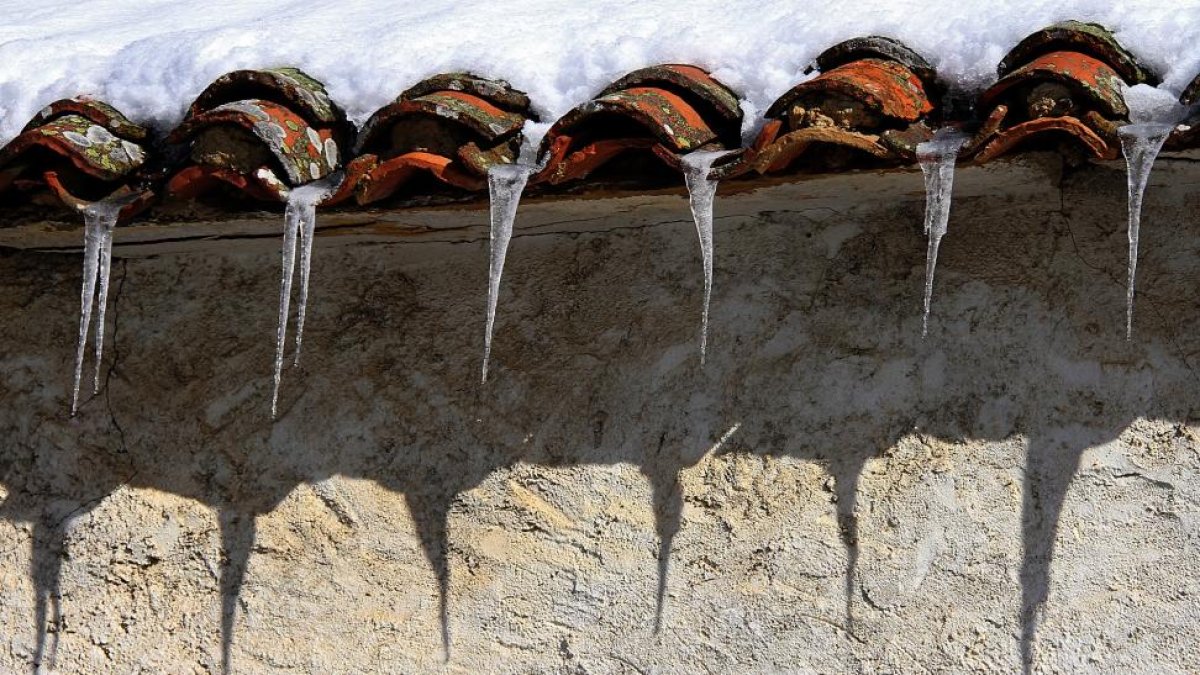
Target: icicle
{"points": [[1154, 113], [299, 223], [1140, 144], [701, 192], [506, 182], [99, 219], [937, 158], [105, 268]]}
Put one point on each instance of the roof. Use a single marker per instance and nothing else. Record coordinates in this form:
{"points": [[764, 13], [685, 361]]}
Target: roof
{"points": [[253, 135]]}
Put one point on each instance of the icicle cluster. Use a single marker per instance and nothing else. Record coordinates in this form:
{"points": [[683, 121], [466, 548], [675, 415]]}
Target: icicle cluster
{"points": [[937, 158], [701, 191], [99, 220], [299, 225]]}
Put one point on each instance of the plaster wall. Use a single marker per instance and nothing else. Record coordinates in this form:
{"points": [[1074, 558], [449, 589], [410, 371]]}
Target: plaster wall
{"points": [[829, 493]]}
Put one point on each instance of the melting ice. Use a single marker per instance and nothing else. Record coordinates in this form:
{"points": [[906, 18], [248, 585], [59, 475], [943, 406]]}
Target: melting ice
{"points": [[299, 224], [99, 220], [1153, 113], [701, 191], [937, 158], [506, 182]]}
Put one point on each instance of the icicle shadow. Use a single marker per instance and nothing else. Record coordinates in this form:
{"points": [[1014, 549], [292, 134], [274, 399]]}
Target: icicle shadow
{"points": [[701, 192], [937, 158], [668, 516], [1052, 458], [846, 474], [237, 540], [431, 516], [49, 547], [506, 183]]}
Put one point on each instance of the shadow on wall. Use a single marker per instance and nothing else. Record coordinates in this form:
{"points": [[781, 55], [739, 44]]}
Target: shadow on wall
{"points": [[815, 353]]}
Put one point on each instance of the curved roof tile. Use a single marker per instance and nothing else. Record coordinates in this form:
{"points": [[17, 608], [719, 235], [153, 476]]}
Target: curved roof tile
{"points": [[80, 150], [1082, 38], [666, 111], [285, 132], [263, 132], [452, 127], [1065, 81], [874, 100], [291, 88]]}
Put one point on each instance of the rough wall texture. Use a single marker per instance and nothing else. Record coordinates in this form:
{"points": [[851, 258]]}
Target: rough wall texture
{"points": [[829, 493]]}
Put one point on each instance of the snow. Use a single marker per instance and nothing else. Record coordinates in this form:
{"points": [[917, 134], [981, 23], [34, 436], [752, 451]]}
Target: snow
{"points": [[1152, 105], [150, 58]]}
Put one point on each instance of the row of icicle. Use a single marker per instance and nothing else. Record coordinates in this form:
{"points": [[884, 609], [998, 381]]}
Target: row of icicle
{"points": [[1140, 142]]}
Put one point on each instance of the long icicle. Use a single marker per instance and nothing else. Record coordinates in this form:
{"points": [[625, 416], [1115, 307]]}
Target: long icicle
{"points": [[291, 223], [1140, 143], [299, 225], [506, 182], [99, 219], [91, 256], [701, 192], [937, 158], [105, 265]]}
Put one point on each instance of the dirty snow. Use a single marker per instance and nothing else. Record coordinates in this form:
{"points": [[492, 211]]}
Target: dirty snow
{"points": [[151, 57]]}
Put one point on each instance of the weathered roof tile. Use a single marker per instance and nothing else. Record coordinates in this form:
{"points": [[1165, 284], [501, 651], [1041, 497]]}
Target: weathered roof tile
{"points": [[872, 101], [78, 150], [452, 127], [666, 111], [1063, 82], [262, 132], [284, 133]]}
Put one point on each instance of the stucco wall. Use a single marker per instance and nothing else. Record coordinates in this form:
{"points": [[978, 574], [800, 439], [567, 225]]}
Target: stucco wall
{"points": [[829, 493]]}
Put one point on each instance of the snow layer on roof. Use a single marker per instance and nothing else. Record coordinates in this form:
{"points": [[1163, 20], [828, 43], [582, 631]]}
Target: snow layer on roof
{"points": [[150, 58]]}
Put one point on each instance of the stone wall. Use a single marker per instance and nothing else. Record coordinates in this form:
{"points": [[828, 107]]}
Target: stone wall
{"points": [[828, 493]]}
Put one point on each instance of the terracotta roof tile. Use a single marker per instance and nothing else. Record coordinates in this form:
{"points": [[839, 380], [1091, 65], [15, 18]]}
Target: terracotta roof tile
{"points": [[663, 112], [871, 101], [1083, 38], [286, 133], [451, 127], [291, 88], [75, 151], [259, 133], [1063, 82], [98, 112]]}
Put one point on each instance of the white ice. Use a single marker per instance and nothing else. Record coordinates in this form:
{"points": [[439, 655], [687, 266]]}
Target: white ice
{"points": [[1154, 113], [152, 57], [937, 158], [1153, 105], [299, 224], [100, 219], [506, 182], [701, 192]]}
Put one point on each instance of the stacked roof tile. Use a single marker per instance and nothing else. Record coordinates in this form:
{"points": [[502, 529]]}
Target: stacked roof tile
{"points": [[260, 132], [450, 128], [662, 112], [253, 135]]}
